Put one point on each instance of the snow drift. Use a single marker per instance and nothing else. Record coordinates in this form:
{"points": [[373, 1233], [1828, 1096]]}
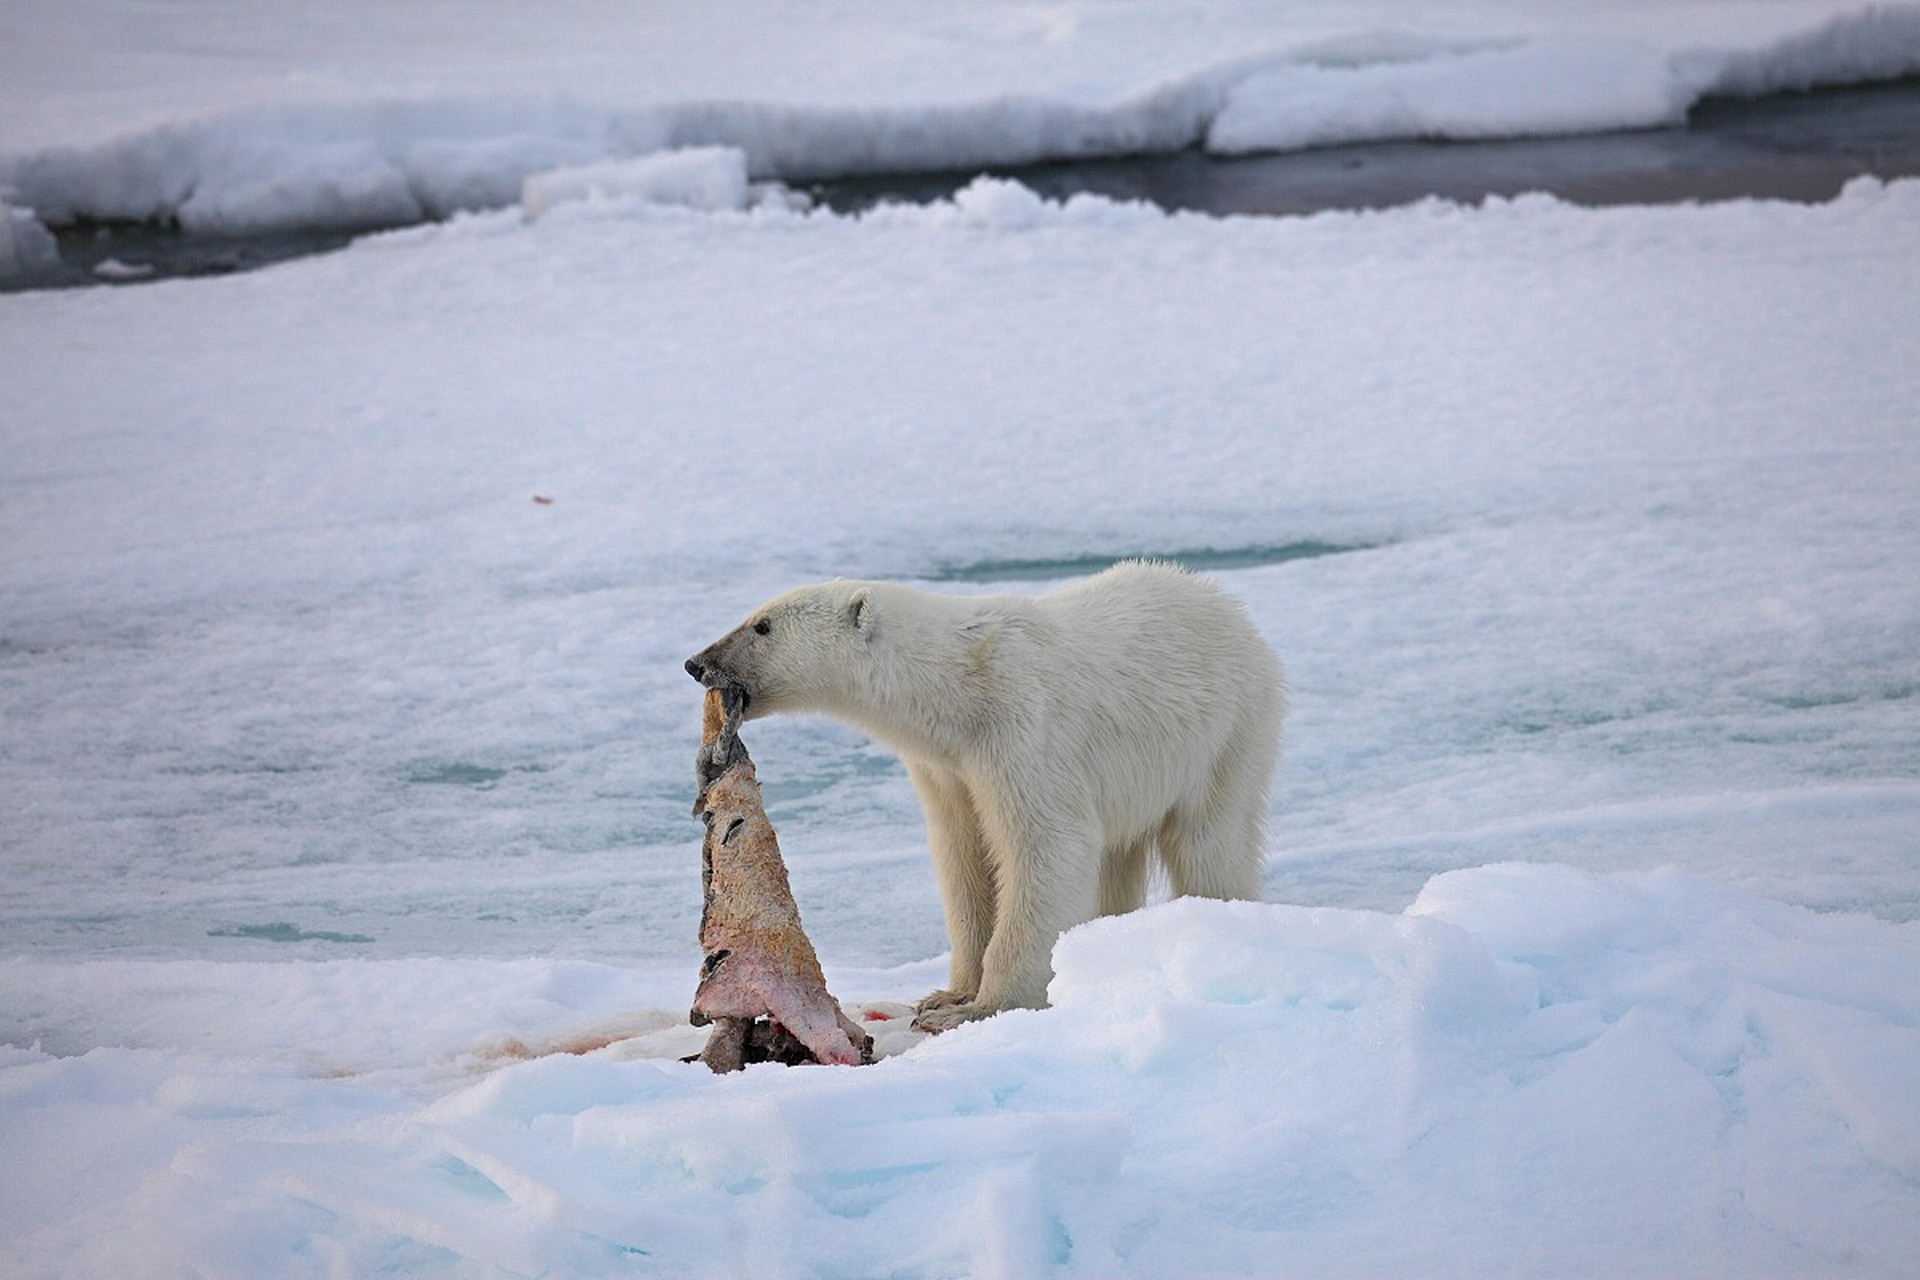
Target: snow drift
{"points": [[707, 178], [1531, 1071], [27, 249]]}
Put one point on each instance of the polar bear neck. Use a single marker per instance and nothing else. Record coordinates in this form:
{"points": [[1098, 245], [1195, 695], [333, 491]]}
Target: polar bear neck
{"points": [[931, 687]]}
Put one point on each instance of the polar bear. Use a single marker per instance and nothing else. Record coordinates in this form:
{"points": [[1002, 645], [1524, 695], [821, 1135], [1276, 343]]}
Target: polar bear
{"points": [[1054, 741]]}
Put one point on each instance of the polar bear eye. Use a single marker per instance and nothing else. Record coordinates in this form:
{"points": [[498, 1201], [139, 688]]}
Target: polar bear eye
{"points": [[761, 627]]}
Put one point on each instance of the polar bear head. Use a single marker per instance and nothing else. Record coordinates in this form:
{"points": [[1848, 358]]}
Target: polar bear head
{"points": [[808, 650]]}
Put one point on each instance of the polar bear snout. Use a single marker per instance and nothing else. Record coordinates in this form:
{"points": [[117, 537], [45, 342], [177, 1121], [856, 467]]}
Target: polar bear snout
{"points": [[710, 669], [713, 667]]}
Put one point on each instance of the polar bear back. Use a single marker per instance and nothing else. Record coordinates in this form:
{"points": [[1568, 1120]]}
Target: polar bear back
{"points": [[1130, 692], [1143, 677]]}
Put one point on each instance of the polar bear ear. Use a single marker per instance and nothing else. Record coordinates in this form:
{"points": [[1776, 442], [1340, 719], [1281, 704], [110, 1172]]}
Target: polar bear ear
{"points": [[860, 610]]}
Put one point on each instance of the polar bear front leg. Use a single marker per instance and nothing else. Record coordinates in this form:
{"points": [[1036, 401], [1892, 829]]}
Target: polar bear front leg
{"points": [[960, 867], [1046, 870]]}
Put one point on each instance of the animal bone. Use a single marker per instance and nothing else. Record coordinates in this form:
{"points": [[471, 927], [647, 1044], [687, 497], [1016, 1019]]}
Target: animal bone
{"points": [[758, 960]]}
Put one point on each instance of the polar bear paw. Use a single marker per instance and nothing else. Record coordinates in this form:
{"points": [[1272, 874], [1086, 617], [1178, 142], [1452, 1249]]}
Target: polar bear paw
{"points": [[941, 999], [939, 1010], [949, 1016]]}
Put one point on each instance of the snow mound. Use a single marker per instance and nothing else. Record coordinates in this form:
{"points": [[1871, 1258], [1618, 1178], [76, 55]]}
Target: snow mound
{"points": [[990, 202], [27, 249], [1001, 204], [1535, 87], [1393, 88], [705, 178], [1532, 1071], [1878, 42]]}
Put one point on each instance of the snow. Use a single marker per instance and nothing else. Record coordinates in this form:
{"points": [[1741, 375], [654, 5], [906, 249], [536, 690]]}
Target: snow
{"points": [[116, 270], [1537, 87], [347, 884], [1533, 1070], [709, 178], [27, 249]]}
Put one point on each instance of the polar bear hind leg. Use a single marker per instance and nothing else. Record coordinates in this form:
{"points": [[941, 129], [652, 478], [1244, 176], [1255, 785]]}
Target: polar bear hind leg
{"points": [[1215, 846], [1123, 876]]}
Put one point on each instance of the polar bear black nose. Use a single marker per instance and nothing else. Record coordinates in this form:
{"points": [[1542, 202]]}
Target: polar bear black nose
{"points": [[696, 670]]}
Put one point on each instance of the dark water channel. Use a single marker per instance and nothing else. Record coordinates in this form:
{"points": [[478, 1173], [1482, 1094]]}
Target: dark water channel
{"points": [[1790, 146]]}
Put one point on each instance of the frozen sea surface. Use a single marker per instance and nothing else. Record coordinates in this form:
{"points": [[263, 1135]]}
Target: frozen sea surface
{"points": [[1612, 511], [348, 751], [347, 884]]}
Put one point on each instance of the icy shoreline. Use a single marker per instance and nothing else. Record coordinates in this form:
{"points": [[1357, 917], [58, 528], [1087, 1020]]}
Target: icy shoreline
{"points": [[350, 159], [1798, 145]]}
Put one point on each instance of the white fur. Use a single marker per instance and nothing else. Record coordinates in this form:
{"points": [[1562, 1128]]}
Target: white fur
{"points": [[1054, 742]]}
